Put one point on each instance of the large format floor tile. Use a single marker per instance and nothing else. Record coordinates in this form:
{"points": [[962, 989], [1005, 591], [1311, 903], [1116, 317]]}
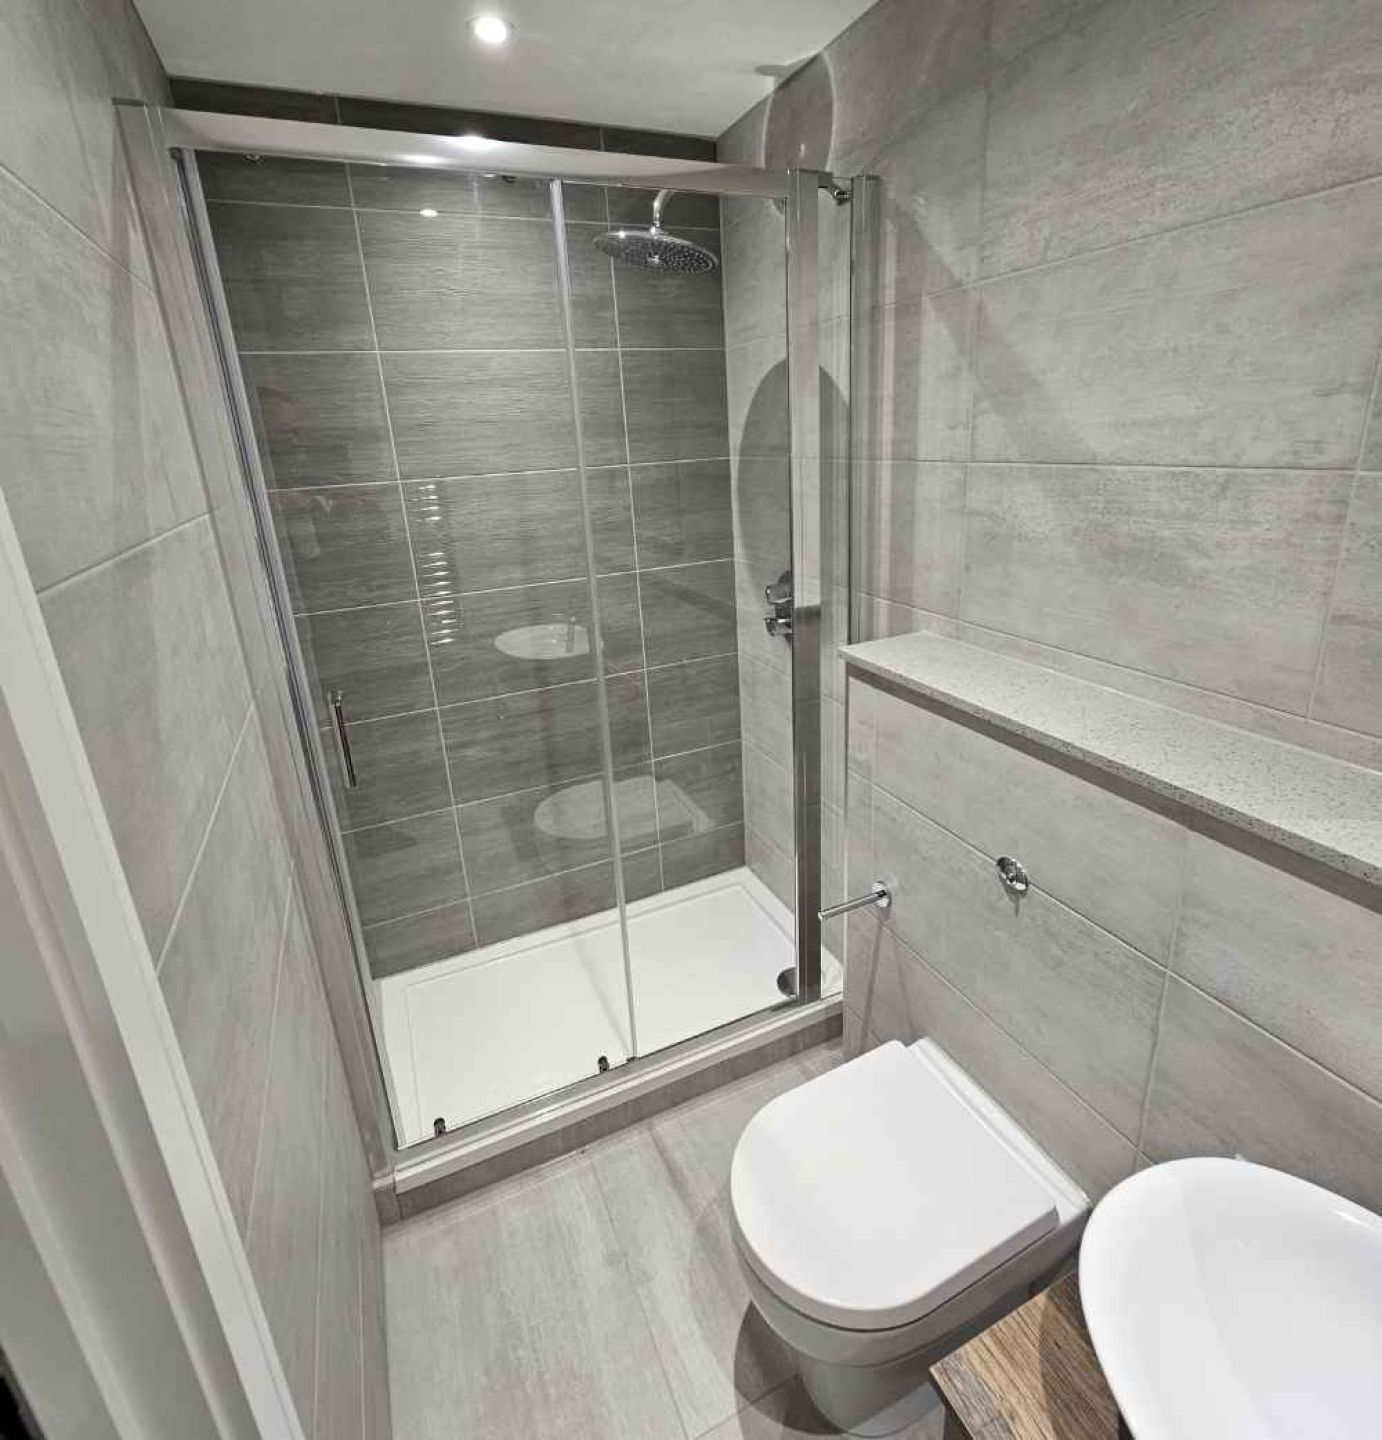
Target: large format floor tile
{"points": [[599, 1296], [514, 1317]]}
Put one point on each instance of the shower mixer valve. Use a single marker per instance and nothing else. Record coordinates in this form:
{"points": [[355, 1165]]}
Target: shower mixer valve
{"points": [[779, 596]]}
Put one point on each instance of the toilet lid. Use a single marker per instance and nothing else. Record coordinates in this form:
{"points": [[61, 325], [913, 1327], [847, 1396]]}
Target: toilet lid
{"points": [[872, 1194]]}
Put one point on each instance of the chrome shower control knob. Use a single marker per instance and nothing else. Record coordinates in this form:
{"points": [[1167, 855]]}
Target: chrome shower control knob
{"points": [[1013, 874]]}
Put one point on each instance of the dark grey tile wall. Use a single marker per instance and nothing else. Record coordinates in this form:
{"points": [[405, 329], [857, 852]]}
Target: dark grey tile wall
{"points": [[412, 407], [1122, 344]]}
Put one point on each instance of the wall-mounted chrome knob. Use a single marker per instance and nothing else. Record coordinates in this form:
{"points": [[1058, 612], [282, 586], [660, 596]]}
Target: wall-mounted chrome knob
{"points": [[1013, 874], [779, 596]]}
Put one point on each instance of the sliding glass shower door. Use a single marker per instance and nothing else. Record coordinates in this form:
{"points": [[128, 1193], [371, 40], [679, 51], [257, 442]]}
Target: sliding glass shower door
{"points": [[527, 495]]}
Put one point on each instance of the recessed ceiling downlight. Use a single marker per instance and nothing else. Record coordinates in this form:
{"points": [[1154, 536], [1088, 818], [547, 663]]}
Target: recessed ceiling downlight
{"points": [[489, 29]]}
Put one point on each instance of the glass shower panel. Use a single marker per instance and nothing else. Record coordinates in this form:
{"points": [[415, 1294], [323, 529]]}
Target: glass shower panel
{"points": [[402, 346], [701, 355]]}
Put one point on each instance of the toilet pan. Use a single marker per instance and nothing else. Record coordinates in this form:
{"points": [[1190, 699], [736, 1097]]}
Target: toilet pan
{"points": [[881, 1213]]}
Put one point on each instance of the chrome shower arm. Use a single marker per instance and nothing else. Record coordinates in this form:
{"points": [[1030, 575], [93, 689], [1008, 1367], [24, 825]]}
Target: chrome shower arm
{"points": [[663, 196]]}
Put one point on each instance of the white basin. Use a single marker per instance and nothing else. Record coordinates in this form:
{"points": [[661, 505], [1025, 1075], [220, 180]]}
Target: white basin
{"points": [[1230, 1301]]}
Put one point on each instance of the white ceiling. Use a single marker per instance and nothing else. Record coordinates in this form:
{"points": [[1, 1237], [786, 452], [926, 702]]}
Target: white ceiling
{"points": [[688, 65]]}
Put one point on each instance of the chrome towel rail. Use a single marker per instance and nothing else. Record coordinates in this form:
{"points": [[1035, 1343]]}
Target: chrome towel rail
{"points": [[879, 895]]}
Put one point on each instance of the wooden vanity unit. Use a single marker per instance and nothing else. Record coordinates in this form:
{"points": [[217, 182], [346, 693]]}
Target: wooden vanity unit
{"points": [[1031, 1376]]}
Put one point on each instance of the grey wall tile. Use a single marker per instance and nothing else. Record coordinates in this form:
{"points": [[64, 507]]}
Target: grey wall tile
{"points": [[447, 120], [454, 282], [1349, 691], [1078, 1000], [59, 136], [671, 310], [398, 945], [292, 277], [375, 656], [1224, 1087], [768, 803], [219, 974], [94, 448], [917, 362], [754, 260], [319, 419], [772, 865], [149, 655], [1219, 579], [1017, 25], [682, 512], [894, 61], [492, 412], [756, 389], [700, 790], [340, 1411], [495, 532], [532, 833], [932, 180], [1301, 961], [911, 525], [697, 856], [1184, 113], [512, 742], [536, 904], [1111, 859], [630, 205], [285, 1212], [898, 996], [399, 766], [675, 402], [762, 488], [388, 187], [345, 546], [468, 1283], [405, 866], [465, 632], [270, 179], [1108, 357], [271, 102], [688, 611], [693, 704]]}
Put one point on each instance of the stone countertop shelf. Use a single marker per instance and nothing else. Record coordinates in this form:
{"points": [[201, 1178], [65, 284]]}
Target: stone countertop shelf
{"points": [[1311, 803]]}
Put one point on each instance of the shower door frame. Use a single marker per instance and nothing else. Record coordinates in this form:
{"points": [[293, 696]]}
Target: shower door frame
{"points": [[179, 134]]}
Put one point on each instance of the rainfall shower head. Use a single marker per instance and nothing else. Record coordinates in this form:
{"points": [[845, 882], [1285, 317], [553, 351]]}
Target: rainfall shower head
{"points": [[653, 248]]}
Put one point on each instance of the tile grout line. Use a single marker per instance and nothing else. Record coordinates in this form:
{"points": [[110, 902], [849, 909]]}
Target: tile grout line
{"points": [[480, 475], [555, 875], [222, 788], [1341, 559], [626, 1264], [268, 1068], [412, 554], [89, 240], [107, 561], [1182, 885]]}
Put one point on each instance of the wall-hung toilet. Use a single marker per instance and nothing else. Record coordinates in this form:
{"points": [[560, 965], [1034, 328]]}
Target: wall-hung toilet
{"points": [[880, 1211]]}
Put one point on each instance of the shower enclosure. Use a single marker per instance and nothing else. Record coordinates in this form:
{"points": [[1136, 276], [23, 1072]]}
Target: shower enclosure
{"points": [[549, 456]]}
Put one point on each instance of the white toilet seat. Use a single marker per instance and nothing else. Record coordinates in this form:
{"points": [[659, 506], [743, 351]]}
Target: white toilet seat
{"points": [[867, 1198]]}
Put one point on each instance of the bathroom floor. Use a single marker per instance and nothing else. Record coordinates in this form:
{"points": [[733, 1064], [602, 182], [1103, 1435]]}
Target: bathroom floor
{"points": [[599, 1297], [470, 1036]]}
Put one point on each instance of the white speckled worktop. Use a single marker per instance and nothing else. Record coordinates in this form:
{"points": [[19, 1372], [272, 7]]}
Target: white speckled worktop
{"points": [[1311, 803]]}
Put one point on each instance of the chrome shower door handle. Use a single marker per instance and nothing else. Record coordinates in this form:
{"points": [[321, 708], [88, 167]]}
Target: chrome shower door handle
{"points": [[338, 722]]}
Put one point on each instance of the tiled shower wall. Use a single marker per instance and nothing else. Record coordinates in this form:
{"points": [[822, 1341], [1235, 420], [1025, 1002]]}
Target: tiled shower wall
{"points": [[413, 413], [144, 574]]}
